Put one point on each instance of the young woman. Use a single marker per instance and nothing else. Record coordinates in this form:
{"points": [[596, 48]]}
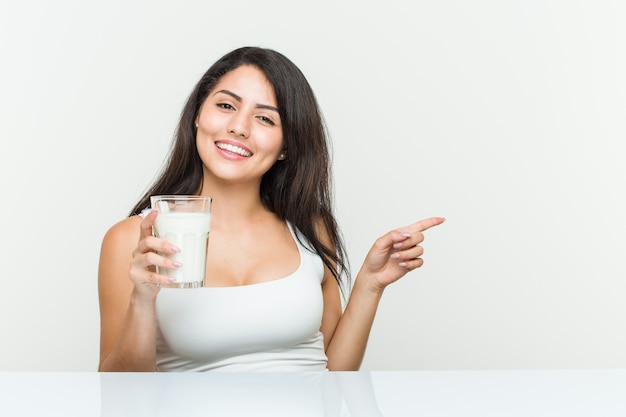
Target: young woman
{"points": [[250, 136]]}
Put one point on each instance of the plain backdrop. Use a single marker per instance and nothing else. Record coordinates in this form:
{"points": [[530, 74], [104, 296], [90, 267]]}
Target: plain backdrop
{"points": [[505, 117]]}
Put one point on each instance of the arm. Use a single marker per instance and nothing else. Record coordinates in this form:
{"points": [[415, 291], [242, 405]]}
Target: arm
{"points": [[390, 258], [127, 313]]}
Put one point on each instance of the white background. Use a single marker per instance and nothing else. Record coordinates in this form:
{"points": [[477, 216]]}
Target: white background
{"points": [[505, 117]]}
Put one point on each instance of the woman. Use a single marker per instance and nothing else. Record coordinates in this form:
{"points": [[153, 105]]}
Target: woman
{"points": [[250, 136]]}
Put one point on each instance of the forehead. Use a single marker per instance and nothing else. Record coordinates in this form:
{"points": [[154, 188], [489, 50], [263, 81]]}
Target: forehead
{"points": [[249, 83]]}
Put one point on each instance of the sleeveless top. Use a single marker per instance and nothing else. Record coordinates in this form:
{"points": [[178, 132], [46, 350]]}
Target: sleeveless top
{"points": [[269, 326]]}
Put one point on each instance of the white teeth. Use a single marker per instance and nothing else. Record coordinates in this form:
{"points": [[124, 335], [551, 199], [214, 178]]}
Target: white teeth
{"points": [[234, 149]]}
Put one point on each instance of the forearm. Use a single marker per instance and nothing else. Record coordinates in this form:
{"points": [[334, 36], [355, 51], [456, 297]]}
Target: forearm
{"points": [[390, 258], [347, 347], [135, 348]]}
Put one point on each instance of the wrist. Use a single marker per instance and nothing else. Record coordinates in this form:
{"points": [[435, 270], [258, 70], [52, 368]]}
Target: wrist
{"points": [[142, 299], [367, 283]]}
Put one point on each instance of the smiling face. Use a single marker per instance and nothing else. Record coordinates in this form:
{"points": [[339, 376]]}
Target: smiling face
{"points": [[239, 133]]}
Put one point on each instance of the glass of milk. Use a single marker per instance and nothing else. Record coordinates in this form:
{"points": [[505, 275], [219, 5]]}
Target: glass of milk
{"points": [[184, 221]]}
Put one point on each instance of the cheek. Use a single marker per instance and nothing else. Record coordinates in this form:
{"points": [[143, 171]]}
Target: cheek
{"points": [[208, 126], [202, 144], [273, 143]]}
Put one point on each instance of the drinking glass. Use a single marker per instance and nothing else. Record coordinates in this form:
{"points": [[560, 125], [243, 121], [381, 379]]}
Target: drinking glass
{"points": [[184, 221]]}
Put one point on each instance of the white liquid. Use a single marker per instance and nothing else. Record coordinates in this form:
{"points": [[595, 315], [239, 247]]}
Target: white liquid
{"points": [[189, 232]]}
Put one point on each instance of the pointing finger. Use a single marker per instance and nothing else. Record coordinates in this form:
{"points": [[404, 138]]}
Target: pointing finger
{"points": [[398, 238], [425, 224]]}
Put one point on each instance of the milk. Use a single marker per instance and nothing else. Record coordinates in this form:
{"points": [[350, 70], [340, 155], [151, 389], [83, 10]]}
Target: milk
{"points": [[189, 232]]}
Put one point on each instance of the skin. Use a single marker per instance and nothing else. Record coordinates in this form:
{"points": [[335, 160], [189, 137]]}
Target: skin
{"points": [[239, 138]]}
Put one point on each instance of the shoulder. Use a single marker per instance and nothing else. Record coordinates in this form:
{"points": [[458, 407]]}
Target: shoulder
{"points": [[122, 235], [323, 234], [124, 229], [116, 253]]}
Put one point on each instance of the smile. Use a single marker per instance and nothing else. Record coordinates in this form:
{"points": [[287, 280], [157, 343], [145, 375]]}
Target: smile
{"points": [[233, 149]]}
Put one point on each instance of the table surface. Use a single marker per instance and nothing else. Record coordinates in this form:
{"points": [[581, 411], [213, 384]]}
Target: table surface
{"points": [[599, 392]]}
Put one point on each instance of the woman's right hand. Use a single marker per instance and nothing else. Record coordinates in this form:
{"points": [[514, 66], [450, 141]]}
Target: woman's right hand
{"points": [[146, 257]]}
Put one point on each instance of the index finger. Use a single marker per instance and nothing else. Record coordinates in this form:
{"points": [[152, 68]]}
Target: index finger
{"points": [[426, 224]]}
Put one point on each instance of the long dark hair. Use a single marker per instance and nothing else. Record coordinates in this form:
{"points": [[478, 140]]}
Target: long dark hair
{"points": [[299, 188]]}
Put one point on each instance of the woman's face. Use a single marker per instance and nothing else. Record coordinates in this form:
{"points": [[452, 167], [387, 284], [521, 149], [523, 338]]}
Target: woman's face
{"points": [[239, 134]]}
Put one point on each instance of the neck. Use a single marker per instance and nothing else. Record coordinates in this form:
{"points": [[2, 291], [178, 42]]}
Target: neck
{"points": [[235, 206]]}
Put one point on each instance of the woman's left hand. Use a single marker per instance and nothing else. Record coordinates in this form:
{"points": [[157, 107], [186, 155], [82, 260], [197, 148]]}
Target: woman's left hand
{"points": [[397, 252]]}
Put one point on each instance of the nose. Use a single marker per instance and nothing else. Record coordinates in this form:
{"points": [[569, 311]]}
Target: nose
{"points": [[238, 125]]}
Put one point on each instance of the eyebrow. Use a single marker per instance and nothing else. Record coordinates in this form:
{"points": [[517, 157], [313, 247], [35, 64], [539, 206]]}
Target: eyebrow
{"points": [[238, 98]]}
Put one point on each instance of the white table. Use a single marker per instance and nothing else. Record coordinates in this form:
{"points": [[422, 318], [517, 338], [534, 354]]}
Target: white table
{"points": [[571, 393]]}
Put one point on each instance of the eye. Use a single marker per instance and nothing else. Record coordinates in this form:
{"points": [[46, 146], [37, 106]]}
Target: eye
{"points": [[267, 120], [225, 106]]}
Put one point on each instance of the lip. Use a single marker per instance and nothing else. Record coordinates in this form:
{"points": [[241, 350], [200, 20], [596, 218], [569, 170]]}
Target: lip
{"points": [[233, 150]]}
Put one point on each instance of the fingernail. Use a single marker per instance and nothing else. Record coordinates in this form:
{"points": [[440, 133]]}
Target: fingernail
{"points": [[171, 279], [397, 245], [403, 264], [177, 264], [395, 255], [405, 234], [175, 249]]}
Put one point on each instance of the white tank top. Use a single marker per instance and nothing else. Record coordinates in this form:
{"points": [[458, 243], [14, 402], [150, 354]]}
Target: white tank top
{"points": [[270, 326]]}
